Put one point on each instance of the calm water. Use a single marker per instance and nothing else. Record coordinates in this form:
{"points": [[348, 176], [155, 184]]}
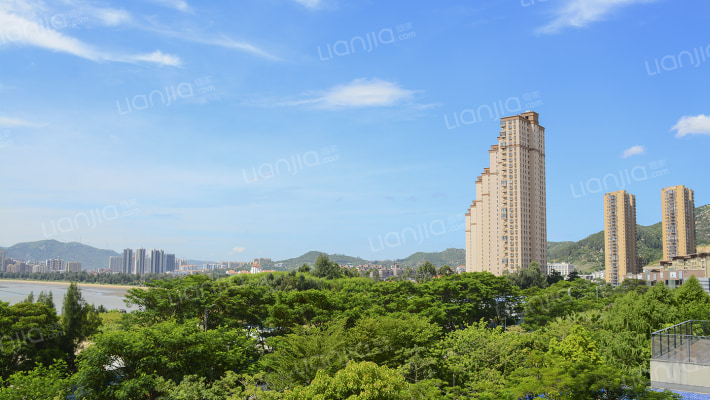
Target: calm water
{"points": [[110, 297]]}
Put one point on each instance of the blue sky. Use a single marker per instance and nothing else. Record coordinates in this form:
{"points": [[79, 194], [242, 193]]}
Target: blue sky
{"points": [[267, 128]]}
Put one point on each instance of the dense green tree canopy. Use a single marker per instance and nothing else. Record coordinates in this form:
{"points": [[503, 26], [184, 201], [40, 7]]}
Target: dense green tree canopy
{"points": [[327, 334]]}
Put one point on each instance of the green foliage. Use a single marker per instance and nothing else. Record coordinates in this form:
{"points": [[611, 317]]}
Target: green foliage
{"points": [[395, 342], [426, 271], [295, 335], [529, 277], [572, 276], [559, 300], [298, 356], [79, 320], [554, 277], [693, 301], [46, 298], [30, 334], [324, 268], [702, 225], [194, 387], [132, 363], [446, 271], [358, 381], [479, 358], [85, 277], [40, 383]]}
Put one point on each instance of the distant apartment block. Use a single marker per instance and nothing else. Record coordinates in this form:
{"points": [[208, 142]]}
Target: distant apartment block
{"points": [[128, 261], [17, 266], [156, 262], [506, 226], [40, 268], [170, 263], [72, 267], [678, 221], [139, 262], [2, 261], [55, 264], [115, 263], [563, 269], [620, 236]]}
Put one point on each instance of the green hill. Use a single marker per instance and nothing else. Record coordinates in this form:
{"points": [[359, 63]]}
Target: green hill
{"points": [[450, 257], [89, 257], [702, 225], [311, 257]]}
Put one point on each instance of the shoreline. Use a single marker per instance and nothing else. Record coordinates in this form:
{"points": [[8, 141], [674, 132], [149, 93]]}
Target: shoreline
{"points": [[80, 284]]}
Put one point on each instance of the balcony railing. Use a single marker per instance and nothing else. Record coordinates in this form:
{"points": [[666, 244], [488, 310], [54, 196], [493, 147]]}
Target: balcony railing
{"points": [[687, 342]]}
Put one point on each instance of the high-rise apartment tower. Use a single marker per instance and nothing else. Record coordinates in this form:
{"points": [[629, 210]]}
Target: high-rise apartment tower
{"points": [[506, 226], [620, 236], [139, 267], [678, 221], [128, 261]]}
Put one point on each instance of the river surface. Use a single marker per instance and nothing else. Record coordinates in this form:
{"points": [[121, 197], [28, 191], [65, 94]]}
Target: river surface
{"points": [[109, 296]]}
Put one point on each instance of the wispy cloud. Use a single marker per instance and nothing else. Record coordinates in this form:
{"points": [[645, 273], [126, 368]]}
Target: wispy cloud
{"points": [[238, 250], [580, 13], [698, 125], [111, 16], [180, 5], [634, 150], [219, 41], [358, 93], [155, 57], [6, 122], [309, 3], [21, 31]]}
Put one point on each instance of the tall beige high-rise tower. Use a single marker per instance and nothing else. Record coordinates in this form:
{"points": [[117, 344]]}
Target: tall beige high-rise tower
{"points": [[620, 236], [678, 221], [506, 226]]}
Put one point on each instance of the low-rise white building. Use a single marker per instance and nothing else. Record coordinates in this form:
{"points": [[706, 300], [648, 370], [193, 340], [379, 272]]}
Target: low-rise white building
{"points": [[563, 268]]}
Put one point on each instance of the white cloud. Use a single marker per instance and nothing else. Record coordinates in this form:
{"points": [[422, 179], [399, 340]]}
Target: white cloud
{"points": [[634, 150], [20, 31], [179, 5], [111, 17], [238, 250], [156, 57], [6, 122], [309, 3], [580, 13], [359, 93], [687, 125], [220, 41]]}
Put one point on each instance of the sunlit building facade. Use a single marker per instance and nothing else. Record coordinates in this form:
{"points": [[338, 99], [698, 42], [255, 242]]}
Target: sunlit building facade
{"points": [[621, 252], [506, 226], [678, 221]]}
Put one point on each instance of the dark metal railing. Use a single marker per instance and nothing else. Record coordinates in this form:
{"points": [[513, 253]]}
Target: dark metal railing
{"points": [[688, 341]]}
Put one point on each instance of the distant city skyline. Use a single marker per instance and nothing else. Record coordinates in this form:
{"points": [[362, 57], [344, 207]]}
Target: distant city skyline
{"points": [[237, 130]]}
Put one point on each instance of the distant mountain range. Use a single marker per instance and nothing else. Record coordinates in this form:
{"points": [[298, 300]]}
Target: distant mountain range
{"points": [[451, 257], [588, 253]]}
